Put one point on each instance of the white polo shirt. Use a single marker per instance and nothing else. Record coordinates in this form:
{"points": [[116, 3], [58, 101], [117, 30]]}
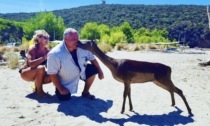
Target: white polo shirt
{"points": [[60, 62]]}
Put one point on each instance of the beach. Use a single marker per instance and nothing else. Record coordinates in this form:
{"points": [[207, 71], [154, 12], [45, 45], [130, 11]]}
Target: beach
{"points": [[151, 104]]}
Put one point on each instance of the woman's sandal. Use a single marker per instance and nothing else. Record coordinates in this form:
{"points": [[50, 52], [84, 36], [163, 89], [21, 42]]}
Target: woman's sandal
{"points": [[88, 95], [33, 86]]}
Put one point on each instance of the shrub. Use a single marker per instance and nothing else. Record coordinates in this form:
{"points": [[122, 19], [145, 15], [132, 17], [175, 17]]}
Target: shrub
{"points": [[3, 50], [151, 46], [14, 49], [52, 45], [24, 46], [12, 60], [121, 46], [105, 47], [134, 47]]}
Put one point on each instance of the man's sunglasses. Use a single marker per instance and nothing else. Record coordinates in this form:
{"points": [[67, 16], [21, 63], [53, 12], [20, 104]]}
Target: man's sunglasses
{"points": [[44, 37]]}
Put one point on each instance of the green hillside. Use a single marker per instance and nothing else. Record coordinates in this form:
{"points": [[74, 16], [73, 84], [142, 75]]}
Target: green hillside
{"points": [[183, 22]]}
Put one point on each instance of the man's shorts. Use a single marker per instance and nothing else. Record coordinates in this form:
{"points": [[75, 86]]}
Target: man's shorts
{"points": [[89, 71]]}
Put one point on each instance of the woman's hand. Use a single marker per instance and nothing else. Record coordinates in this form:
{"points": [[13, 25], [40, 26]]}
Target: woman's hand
{"points": [[45, 57]]}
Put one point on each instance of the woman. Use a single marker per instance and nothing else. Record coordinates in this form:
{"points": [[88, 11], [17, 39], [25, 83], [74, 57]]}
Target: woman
{"points": [[34, 68]]}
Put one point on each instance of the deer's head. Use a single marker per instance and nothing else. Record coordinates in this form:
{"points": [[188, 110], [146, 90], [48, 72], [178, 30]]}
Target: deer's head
{"points": [[89, 45]]}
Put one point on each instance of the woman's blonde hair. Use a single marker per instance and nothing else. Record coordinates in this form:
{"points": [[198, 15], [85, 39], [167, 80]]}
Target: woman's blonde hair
{"points": [[39, 33]]}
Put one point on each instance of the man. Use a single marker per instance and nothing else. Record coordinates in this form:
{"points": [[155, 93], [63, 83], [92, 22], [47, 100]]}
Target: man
{"points": [[67, 63]]}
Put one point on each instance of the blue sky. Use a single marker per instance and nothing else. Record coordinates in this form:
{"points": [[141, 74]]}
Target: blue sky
{"points": [[16, 6]]}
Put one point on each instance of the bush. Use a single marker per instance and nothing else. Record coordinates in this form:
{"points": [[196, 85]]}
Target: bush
{"points": [[121, 46], [14, 49], [3, 49], [52, 45], [24, 46], [133, 47], [105, 47], [12, 60]]}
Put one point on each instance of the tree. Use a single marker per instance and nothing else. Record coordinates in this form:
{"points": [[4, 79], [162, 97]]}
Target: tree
{"points": [[10, 31], [103, 30], [90, 31], [116, 37], [128, 32], [47, 21]]}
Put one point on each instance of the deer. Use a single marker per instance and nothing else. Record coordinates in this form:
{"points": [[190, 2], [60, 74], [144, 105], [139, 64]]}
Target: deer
{"points": [[132, 71]]}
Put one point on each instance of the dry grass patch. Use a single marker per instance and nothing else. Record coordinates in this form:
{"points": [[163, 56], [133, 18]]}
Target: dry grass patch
{"points": [[134, 47], [3, 49], [13, 49], [105, 47], [12, 60], [130, 47], [121, 46], [152, 46], [24, 46]]}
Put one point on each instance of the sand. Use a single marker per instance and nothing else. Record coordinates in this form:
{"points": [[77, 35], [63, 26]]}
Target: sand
{"points": [[152, 104]]}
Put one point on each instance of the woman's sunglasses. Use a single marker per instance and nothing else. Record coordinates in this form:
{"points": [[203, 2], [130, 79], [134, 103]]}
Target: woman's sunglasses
{"points": [[44, 37]]}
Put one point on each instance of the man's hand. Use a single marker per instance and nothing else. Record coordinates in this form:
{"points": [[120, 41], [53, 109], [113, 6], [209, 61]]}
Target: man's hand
{"points": [[58, 85], [64, 91], [100, 74]]}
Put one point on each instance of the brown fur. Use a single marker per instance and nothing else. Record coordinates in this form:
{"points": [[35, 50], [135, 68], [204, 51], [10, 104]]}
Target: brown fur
{"points": [[131, 71]]}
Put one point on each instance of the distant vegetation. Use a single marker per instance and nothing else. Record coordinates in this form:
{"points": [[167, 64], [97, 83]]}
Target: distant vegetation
{"points": [[13, 31], [130, 23]]}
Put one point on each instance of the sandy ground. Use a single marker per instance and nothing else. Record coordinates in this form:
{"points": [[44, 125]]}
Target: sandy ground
{"points": [[152, 105]]}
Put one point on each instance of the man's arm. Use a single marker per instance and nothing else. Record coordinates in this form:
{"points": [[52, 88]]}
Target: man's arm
{"points": [[58, 85], [53, 66], [100, 72]]}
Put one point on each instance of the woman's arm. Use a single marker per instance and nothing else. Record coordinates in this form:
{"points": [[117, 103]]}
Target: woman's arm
{"points": [[32, 62]]}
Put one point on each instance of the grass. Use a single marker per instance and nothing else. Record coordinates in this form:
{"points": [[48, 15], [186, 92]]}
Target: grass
{"points": [[105, 47], [12, 60]]}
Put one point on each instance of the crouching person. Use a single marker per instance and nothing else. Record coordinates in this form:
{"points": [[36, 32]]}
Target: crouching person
{"points": [[34, 67], [67, 64]]}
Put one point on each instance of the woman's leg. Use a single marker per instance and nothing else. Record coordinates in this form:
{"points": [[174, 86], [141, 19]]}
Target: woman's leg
{"points": [[38, 75], [28, 74]]}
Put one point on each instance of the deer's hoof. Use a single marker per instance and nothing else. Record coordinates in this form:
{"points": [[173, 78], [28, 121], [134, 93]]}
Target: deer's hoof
{"points": [[190, 113]]}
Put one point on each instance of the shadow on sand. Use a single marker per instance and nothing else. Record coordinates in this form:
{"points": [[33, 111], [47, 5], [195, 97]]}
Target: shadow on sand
{"points": [[52, 99], [170, 119], [79, 106]]}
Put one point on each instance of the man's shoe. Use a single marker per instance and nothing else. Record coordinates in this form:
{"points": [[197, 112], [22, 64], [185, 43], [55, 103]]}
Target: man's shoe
{"points": [[88, 95]]}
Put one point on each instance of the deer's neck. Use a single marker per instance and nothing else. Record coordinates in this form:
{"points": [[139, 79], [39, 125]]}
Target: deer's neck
{"points": [[106, 60]]}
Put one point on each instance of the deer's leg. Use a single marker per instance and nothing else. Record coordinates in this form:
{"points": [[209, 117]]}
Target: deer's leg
{"points": [[180, 93], [171, 89], [129, 97], [125, 94], [168, 85], [172, 98]]}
